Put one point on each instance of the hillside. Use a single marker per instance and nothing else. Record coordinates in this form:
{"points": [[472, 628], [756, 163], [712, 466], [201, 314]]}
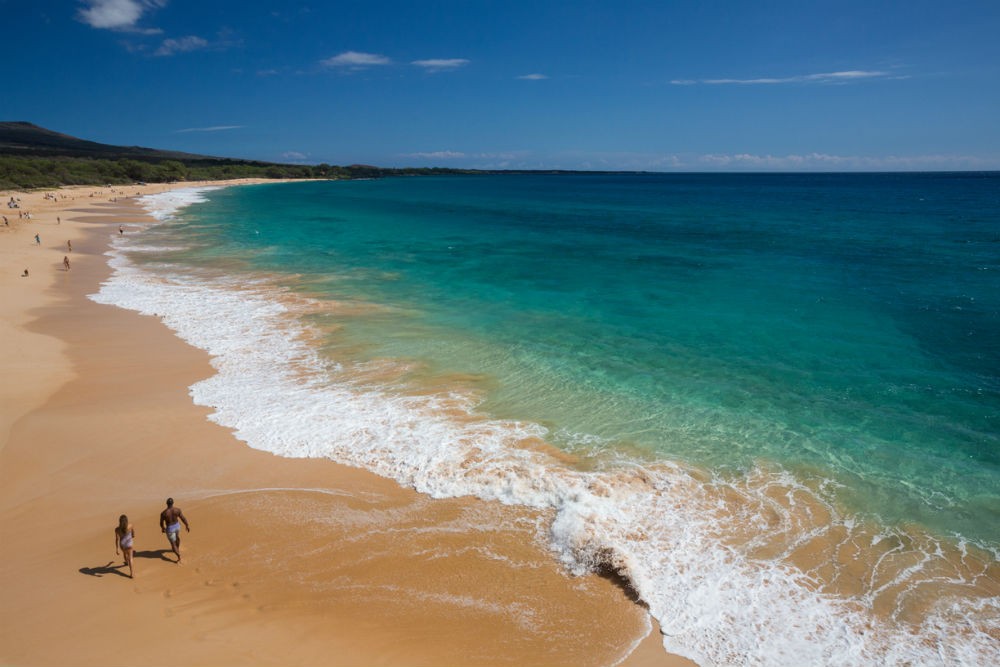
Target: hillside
{"points": [[27, 139], [36, 157]]}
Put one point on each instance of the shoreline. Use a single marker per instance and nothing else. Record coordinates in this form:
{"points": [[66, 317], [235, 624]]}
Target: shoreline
{"points": [[289, 561]]}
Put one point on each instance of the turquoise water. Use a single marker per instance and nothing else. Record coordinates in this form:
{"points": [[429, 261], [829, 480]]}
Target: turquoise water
{"points": [[845, 327], [779, 392]]}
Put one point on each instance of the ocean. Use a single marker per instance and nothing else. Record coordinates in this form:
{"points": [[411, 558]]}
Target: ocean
{"points": [[771, 402]]}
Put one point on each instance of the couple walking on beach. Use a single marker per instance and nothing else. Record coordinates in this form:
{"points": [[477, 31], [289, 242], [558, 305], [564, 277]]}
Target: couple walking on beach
{"points": [[170, 524]]}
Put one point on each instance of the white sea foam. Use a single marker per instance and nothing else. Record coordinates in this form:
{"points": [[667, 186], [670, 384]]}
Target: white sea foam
{"points": [[133, 248], [165, 204], [663, 527]]}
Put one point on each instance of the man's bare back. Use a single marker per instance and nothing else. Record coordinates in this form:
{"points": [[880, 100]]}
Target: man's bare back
{"points": [[170, 516]]}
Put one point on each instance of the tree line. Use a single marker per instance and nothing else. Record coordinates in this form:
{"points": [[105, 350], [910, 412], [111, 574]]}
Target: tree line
{"points": [[25, 172]]}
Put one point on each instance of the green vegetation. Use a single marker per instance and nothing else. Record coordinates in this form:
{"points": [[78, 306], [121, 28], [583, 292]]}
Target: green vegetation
{"points": [[34, 157], [38, 172], [19, 172]]}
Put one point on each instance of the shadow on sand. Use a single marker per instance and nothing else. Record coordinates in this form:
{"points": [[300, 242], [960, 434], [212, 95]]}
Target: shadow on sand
{"points": [[102, 570], [156, 553], [110, 568]]}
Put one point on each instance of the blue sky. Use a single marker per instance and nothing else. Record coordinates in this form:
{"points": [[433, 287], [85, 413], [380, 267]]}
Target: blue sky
{"points": [[663, 86]]}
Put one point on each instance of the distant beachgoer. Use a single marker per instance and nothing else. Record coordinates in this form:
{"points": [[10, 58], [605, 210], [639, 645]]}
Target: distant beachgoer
{"points": [[121, 230], [125, 538], [66, 262], [25, 274], [170, 523], [38, 240], [69, 246], [58, 220]]}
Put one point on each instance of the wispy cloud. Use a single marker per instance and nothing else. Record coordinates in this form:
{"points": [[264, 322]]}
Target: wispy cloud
{"points": [[532, 77], [294, 156], [707, 162], [824, 77], [827, 162], [437, 155], [440, 64], [355, 60], [120, 15], [213, 128], [483, 160], [183, 45], [791, 162]]}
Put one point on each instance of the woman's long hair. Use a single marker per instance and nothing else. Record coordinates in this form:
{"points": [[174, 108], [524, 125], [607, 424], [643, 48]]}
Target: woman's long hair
{"points": [[122, 524]]}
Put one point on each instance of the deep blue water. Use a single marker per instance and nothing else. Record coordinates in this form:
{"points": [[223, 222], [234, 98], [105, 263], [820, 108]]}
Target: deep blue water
{"points": [[840, 326]]}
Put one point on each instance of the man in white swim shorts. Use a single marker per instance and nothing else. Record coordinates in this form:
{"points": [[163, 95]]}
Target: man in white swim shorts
{"points": [[170, 523]]}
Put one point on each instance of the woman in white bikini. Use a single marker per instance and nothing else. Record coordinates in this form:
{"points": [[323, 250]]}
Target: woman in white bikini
{"points": [[124, 536]]}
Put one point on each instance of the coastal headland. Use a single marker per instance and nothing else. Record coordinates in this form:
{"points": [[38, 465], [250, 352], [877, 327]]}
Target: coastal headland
{"points": [[288, 562]]}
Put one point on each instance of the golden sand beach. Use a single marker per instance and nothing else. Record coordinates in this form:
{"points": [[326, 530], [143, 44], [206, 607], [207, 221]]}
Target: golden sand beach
{"points": [[288, 562]]}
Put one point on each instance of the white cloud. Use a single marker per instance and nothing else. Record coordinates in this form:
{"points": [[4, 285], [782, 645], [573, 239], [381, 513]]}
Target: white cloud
{"points": [[213, 128], [117, 14], [827, 162], [482, 160], [294, 155], [355, 60], [437, 155], [532, 77], [182, 45], [740, 162], [704, 162], [441, 64], [824, 77]]}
